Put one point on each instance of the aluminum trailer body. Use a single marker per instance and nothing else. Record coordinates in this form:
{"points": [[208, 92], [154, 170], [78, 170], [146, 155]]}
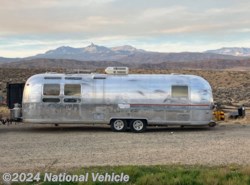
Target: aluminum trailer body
{"points": [[101, 98]]}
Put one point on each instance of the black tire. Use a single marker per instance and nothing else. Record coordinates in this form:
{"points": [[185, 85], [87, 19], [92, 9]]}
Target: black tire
{"points": [[118, 125], [212, 124], [138, 125]]}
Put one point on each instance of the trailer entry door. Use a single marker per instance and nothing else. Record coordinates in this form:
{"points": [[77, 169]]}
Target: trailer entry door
{"points": [[181, 105], [14, 94]]}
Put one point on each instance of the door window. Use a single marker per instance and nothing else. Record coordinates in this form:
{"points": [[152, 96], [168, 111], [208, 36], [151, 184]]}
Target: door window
{"points": [[179, 91]]}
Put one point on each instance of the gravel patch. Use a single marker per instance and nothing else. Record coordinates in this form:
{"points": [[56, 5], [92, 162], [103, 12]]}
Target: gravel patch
{"points": [[45, 147]]}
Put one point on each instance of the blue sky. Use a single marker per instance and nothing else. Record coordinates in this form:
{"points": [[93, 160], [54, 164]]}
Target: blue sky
{"points": [[29, 27]]}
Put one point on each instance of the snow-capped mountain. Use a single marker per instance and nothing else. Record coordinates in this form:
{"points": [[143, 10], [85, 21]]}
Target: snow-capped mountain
{"points": [[91, 52], [126, 49], [66, 50], [96, 49], [235, 51]]}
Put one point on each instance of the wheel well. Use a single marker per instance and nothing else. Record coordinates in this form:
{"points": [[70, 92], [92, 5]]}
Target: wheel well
{"points": [[112, 119], [144, 120]]}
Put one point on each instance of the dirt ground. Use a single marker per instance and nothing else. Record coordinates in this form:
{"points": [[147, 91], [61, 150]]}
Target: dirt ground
{"points": [[33, 147]]}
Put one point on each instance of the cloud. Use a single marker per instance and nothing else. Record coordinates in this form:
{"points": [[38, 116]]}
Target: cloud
{"points": [[50, 23], [108, 17], [53, 16], [243, 30], [30, 4], [155, 13]]}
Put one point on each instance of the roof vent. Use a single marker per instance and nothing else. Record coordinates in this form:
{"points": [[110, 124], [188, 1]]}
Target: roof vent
{"points": [[80, 71], [117, 70]]}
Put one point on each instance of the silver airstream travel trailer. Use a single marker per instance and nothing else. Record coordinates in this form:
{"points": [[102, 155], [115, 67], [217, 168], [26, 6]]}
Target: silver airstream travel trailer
{"points": [[117, 98]]}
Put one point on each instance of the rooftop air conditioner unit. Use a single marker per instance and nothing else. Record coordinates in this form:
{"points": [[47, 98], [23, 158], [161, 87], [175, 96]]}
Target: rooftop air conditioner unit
{"points": [[117, 70]]}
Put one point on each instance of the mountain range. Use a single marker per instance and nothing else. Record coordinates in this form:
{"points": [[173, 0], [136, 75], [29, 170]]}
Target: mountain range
{"points": [[130, 54], [235, 51], [90, 53], [100, 56], [7, 60]]}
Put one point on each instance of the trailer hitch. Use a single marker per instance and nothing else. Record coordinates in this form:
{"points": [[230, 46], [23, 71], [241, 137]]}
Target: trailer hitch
{"points": [[7, 121]]}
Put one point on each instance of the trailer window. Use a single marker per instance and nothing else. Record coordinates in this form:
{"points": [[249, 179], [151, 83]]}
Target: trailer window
{"points": [[72, 100], [72, 90], [180, 91], [51, 100], [51, 89]]}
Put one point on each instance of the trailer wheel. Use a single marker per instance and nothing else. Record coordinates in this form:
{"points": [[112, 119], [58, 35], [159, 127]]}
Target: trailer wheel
{"points": [[118, 125], [138, 125]]}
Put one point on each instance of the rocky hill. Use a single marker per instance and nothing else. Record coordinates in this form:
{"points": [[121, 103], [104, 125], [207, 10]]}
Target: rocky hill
{"points": [[59, 63], [212, 64]]}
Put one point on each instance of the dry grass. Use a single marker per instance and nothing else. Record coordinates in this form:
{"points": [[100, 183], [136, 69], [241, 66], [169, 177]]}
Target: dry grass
{"points": [[4, 112]]}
